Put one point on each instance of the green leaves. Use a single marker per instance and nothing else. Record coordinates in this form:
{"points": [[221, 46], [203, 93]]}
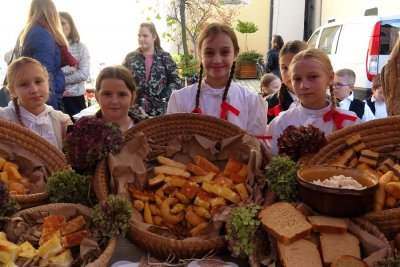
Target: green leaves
{"points": [[241, 225], [280, 175], [112, 216], [246, 27], [69, 187]]}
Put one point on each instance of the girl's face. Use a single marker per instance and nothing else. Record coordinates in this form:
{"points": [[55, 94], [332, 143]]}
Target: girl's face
{"points": [[309, 81], [272, 87], [284, 62], [378, 93], [217, 56], [31, 87], [114, 99], [146, 39], [65, 26]]}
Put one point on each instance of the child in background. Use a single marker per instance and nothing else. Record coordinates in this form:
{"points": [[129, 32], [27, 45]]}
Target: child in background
{"points": [[344, 85], [376, 102], [311, 73], [283, 99], [269, 84], [115, 93], [216, 94], [27, 82]]}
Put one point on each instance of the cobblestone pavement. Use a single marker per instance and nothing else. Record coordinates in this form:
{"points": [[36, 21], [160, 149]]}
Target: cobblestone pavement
{"points": [[252, 84]]}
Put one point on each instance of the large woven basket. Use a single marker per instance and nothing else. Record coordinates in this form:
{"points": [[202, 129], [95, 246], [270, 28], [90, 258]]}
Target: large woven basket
{"points": [[377, 135], [103, 259], [160, 130], [53, 159]]}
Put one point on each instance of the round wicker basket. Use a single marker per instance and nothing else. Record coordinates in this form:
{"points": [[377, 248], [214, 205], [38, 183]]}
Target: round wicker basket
{"points": [[377, 135], [160, 130], [103, 259], [53, 159]]}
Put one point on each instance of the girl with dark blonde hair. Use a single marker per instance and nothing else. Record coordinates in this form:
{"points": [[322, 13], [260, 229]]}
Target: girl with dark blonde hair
{"points": [[311, 73], [216, 94]]}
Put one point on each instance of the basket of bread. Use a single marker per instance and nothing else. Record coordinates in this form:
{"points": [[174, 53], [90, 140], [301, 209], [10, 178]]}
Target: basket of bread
{"points": [[26, 160], [371, 147], [302, 238], [181, 172], [60, 234]]}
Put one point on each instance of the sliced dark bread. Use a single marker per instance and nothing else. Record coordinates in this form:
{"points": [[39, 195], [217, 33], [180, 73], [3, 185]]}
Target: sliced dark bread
{"points": [[325, 224], [301, 253], [334, 246], [285, 223], [348, 261]]}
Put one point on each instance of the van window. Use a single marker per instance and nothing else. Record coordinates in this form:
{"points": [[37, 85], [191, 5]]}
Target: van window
{"points": [[313, 39], [328, 39], [388, 36]]}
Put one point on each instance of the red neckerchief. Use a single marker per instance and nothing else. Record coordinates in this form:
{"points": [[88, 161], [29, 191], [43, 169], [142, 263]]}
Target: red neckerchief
{"points": [[264, 137], [274, 111], [197, 110], [225, 107], [337, 117]]}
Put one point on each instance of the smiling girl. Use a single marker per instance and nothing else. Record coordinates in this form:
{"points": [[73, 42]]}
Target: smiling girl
{"points": [[216, 94], [115, 93], [311, 74], [27, 82]]}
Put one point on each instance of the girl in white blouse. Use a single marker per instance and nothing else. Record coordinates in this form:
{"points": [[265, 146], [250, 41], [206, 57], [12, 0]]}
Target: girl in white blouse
{"points": [[311, 73], [27, 82], [217, 95]]}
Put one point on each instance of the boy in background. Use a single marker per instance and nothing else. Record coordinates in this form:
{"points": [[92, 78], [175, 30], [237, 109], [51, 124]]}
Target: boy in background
{"points": [[344, 84], [376, 102]]}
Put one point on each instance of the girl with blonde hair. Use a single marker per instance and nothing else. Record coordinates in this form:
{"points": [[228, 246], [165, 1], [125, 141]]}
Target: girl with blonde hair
{"points": [[311, 73]]}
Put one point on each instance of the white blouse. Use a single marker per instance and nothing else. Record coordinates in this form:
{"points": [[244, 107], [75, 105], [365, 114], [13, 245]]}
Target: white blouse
{"points": [[299, 115], [253, 109]]}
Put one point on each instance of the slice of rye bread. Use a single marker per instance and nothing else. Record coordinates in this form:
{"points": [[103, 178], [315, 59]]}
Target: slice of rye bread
{"points": [[301, 253], [284, 222], [325, 224], [335, 245], [348, 261]]}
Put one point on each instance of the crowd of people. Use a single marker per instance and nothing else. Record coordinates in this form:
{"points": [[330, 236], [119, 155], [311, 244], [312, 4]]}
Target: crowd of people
{"points": [[49, 67]]}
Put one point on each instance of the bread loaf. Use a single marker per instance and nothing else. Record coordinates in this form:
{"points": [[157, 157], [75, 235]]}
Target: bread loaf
{"points": [[334, 246], [284, 222], [348, 261], [324, 224], [301, 253]]}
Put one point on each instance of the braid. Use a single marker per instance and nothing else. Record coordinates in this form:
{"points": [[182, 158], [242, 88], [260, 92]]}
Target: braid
{"points": [[99, 114], [333, 97], [228, 84], [199, 86], [18, 111], [281, 93]]}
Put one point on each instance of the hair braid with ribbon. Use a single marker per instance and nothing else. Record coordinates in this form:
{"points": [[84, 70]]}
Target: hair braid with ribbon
{"points": [[18, 111], [333, 97], [228, 84], [199, 87]]}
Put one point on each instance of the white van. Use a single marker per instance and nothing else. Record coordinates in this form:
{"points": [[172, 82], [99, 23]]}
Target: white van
{"points": [[361, 44]]}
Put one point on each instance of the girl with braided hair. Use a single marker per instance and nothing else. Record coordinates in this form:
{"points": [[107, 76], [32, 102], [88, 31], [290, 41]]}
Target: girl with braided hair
{"points": [[216, 94], [311, 74], [285, 97], [27, 82]]}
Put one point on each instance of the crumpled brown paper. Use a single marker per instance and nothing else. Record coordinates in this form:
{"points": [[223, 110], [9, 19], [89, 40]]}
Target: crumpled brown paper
{"points": [[29, 165], [132, 167], [28, 227]]}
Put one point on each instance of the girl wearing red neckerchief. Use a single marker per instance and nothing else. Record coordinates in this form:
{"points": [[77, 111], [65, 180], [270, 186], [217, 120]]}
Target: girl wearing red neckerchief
{"points": [[216, 94], [311, 74]]}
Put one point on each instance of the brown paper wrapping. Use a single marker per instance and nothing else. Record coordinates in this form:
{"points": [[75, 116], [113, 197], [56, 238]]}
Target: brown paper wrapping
{"points": [[28, 227], [29, 165], [133, 167]]}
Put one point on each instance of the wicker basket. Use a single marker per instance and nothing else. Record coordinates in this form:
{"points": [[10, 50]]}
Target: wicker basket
{"points": [[53, 159], [160, 130], [377, 135], [103, 259]]}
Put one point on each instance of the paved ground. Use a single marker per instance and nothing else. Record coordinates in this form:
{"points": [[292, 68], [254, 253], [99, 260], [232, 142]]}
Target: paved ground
{"points": [[252, 84]]}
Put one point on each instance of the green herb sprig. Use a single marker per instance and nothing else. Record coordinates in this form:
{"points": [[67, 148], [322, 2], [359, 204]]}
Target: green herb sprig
{"points": [[70, 187], [241, 225], [8, 206], [112, 216], [280, 174]]}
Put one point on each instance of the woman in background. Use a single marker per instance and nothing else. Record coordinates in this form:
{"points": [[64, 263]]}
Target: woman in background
{"points": [[75, 77], [154, 71], [273, 55]]}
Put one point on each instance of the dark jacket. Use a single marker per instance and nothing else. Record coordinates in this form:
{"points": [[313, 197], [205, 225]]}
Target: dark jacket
{"points": [[371, 104], [273, 62], [273, 102], [358, 107], [40, 44], [163, 79]]}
